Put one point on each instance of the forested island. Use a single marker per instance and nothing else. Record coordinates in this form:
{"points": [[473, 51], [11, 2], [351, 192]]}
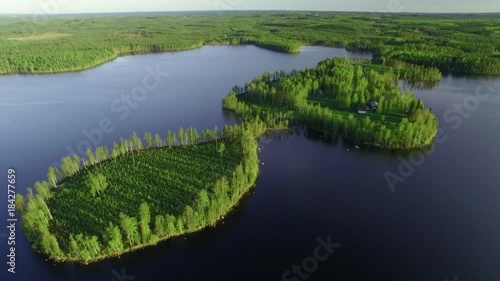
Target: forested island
{"points": [[131, 197], [449, 43], [142, 191], [340, 96]]}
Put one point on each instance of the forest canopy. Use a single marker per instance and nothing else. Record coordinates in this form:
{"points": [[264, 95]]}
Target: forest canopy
{"points": [[342, 97], [450, 43], [139, 192]]}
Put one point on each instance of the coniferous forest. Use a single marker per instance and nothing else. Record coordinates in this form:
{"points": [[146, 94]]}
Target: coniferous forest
{"points": [[449, 43], [336, 97], [140, 192]]}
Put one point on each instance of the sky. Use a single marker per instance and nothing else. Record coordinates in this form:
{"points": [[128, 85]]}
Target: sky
{"points": [[100, 6]]}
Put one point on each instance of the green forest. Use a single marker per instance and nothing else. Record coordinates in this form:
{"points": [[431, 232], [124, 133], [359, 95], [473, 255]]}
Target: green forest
{"points": [[140, 192], [336, 97], [448, 43]]}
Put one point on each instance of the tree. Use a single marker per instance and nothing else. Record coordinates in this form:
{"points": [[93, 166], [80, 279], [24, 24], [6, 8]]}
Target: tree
{"points": [[115, 152], [215, 135], [158, 141], [170, 139], [123, 147], [171, 225], [76, 163], [144, 221], [182, 136], [203, 201], [20, 202], [68, 166], [52, 176], [84, 251], [50, 245], [90, 157], [149, 140], [222, 148], [114, 239], [74, 248], [160, 226], [129, 228], [39, 203], [43, 189], [136, 142], [189, 219], [96, 183], [194, 136], [102, 154], [205, 135], [180, 224], [29, 195]]}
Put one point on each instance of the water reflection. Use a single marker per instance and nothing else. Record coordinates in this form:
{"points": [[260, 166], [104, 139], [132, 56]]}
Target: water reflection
{"points": [[419, 85]]}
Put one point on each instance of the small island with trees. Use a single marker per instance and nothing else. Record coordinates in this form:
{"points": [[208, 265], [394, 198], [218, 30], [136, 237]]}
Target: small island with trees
{"points": [[131, 197], [351, 98]]}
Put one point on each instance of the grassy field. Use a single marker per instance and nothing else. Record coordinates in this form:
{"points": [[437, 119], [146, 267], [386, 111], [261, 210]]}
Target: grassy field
{"points": [[387, 119]]}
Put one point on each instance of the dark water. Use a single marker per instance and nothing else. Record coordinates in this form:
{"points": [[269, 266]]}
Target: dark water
{"points": [[441, 223]]}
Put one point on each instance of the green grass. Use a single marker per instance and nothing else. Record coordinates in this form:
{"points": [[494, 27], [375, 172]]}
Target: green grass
{"points": [[387, 119], [167, 179]]}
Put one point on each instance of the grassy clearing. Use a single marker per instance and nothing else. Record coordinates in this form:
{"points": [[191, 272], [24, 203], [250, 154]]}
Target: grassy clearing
{"points": [[387, 119]]}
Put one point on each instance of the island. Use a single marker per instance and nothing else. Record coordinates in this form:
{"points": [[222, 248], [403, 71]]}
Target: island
{"points": [[134, 196], [352, 98], [146, 190], [142, 191]]}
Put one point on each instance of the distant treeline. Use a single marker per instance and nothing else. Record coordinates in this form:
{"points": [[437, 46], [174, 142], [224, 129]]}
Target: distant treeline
{"points": [[457, 43]]}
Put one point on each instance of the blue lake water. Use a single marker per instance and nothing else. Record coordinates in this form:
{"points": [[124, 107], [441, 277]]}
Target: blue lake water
{"points": [[440, 222]]}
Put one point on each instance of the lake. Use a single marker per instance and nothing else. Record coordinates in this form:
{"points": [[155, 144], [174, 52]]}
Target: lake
{"points": [[438, 219]]}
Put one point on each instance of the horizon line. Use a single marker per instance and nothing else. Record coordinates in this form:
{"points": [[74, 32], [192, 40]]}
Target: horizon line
{"points": [[243, 11]]}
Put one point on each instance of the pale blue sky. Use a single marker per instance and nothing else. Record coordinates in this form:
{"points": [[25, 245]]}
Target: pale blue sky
{"points": [[93, 6]]}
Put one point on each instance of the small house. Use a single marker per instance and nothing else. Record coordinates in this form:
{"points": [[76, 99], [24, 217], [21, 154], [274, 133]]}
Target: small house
{"points": [[373, 105]]}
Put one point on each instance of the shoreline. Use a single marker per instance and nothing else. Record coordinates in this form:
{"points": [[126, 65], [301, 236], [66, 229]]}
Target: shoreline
{"points": [[144, 246], [146, 52], [226, 209], [119, 54]]}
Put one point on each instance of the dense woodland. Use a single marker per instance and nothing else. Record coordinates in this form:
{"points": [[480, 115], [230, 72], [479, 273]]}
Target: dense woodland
{"points": [[328, 98], [450, 43], [139, 192]]}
